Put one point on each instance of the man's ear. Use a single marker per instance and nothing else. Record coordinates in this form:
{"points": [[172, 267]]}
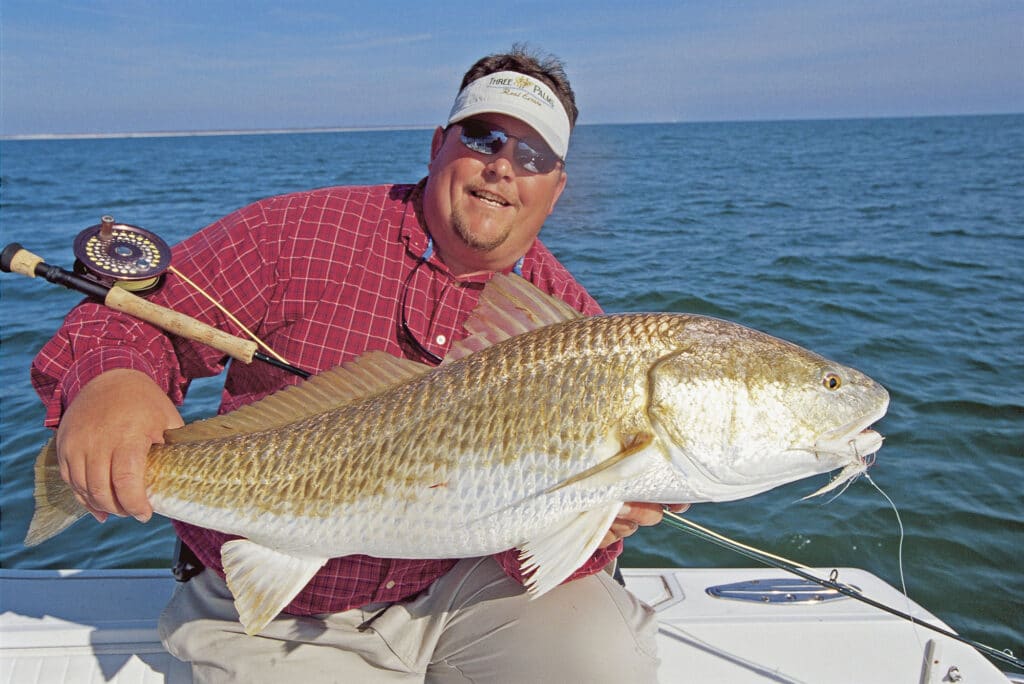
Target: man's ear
{"points": [[436, 143], [558, 191]]}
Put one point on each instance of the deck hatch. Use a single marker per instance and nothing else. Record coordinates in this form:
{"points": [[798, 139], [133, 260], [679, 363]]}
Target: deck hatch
{"points": [[777, 590]]}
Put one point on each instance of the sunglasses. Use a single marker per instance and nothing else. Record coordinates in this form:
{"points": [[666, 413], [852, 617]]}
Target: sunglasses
{"points": [[484, 138]]}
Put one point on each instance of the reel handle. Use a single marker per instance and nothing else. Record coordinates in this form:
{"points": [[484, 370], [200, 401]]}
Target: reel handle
{"points": [[16, 259]]}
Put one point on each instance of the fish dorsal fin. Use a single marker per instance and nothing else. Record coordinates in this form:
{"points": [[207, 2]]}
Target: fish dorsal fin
{"points": [[367, 375], [509, 305]]}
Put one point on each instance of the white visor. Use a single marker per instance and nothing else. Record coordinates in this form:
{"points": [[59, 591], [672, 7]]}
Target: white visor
{"points": [[519, 96]]}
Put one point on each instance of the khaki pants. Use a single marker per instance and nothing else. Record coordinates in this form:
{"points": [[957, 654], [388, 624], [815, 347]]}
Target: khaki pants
{"points": [[473, 625]]}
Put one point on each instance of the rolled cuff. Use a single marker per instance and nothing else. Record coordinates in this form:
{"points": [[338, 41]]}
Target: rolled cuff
{"points": [[88, 366]]}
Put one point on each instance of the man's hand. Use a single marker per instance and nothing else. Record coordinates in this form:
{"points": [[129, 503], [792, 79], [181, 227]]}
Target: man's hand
{"points": [[633, 515], [104, 437]]}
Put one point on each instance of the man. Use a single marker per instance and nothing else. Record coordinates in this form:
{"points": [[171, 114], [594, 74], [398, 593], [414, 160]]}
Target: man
{"points": [[322, 277]]}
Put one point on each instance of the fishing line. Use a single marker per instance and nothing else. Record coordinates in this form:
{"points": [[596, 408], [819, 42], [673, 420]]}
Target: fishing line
{"points": [[899, 547], [899, 551], [227, 313], [682, 524]]}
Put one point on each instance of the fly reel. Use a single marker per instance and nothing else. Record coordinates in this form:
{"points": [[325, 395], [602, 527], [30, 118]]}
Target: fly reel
{"points": [[119, 254]]}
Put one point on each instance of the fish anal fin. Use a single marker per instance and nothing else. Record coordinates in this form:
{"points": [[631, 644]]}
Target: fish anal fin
{"points": [[633, 444], [363, 377], [264, 581], [549, 558], [56, 507], [509, 305]]}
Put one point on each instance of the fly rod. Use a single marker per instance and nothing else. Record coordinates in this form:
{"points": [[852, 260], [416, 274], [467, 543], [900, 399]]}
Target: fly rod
{"points": [[116, 260]]}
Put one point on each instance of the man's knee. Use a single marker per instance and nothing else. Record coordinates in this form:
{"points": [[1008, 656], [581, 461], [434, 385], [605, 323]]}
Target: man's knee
{"points": [[588, 630]]}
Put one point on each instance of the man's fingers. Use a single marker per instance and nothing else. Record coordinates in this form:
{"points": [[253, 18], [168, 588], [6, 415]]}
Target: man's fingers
{"points": [[99, 493], [72, 471], [634, 515], [104, 438], [101, 516], [642, 513], [127, 479]]}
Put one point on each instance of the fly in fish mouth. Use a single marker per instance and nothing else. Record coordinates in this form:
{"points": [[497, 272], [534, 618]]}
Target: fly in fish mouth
{"points": [[863, 447]]}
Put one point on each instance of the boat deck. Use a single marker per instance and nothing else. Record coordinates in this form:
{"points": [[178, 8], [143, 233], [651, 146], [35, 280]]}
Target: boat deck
{"points": [[100, 626]]}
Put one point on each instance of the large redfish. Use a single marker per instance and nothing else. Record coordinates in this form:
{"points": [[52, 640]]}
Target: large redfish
{"points": [[531, 435]]}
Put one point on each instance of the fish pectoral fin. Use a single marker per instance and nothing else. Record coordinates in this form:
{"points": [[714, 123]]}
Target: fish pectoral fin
{"points": [[56, 505], [635, 444], [548, 559], [264, 581]]}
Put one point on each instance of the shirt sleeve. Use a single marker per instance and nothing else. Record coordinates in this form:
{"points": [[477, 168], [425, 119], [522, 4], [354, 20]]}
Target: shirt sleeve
{"points": [[225, 260], [93, 340]]}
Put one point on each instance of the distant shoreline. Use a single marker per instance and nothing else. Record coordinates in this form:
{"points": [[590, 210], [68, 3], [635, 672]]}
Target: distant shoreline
{"points": [[196, 134], [370, 129]]}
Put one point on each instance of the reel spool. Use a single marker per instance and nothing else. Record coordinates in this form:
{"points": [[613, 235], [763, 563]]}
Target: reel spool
{"points": [[117, 254]]}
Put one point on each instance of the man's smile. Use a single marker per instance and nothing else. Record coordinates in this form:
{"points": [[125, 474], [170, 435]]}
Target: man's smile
{"points": [[490, 198]]}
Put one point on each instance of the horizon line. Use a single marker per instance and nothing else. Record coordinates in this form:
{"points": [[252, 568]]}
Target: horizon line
{"points": [[412, 127]]}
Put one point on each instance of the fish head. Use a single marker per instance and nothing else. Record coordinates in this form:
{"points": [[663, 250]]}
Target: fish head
{"points": [[741, 412]]}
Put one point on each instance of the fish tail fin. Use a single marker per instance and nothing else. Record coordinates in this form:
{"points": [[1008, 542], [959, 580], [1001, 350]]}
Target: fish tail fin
{"points": [[56, 505]]}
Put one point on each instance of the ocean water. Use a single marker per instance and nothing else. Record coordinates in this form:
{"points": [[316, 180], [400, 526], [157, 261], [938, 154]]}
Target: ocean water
{"points": [[895, 246]]}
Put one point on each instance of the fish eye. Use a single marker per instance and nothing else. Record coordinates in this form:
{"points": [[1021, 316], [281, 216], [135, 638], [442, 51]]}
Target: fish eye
{"points": [[831, 381]]}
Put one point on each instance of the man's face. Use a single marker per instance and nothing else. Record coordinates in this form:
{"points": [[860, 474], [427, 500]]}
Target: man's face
{"points": [[484, 211]]}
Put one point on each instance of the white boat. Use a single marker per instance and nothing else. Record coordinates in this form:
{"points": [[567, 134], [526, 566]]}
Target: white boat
{"points": [[715, 625]]}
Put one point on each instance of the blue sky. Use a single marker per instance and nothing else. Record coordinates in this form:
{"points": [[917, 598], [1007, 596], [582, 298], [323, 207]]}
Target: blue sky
{"points": [[104, 66]]}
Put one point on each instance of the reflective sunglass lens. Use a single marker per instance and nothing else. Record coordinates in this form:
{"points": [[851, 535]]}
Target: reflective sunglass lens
{"points": [[532, 160], [485, 144], [483, 139]]}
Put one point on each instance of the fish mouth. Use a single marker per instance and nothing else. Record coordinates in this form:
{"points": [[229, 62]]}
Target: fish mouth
{"points": [[856, 444], [853, 439]]}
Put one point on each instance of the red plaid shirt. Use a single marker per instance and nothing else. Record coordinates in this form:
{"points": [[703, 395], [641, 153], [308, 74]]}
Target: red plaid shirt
{"points": [[320, 277]]}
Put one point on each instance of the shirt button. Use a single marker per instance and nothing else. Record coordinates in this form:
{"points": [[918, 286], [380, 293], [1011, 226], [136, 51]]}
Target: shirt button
{"points": [[390, 584], [441, 339]]}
